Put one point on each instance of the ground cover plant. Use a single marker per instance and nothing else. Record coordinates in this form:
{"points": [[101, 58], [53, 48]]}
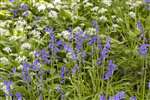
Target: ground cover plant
{"points": [[74, 49]]}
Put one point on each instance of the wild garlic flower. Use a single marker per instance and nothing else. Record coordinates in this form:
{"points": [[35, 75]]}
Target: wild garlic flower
{"points": [[4, 60], [132, 14], [13, 38], [53, 14], [26, 46], [21, 59], [35, 33], [102, 10], [90, 31], [41, 6], [65, 34], [107, 2], [3, 32], [95, 8], [103, 18], [7, 49]]}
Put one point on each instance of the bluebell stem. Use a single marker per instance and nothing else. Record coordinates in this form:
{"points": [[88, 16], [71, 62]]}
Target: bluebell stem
{"points": [[149, 85], [19, 96], [25, 71], [141, 29], [111, 69], [70, 35], [8, 84], [83, 55], [74, 69], [62, 74], [133, 98], [44, 56], [143, 49], [25, 14], [15, 12], [99, 43], [14, 70], [35, 64], [102, 97], [95, 25], [93, 40], [79, 40], [50, 31], [105, 51]]}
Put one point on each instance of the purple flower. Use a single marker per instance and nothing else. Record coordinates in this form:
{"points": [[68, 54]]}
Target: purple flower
{"points": [[59, 43], [26, 13], [111, 69], [44, 56], [147, 1], [74, 56], [19, 96], [14, 12], [14, 70], [143, 49], [79, 40], [102, 97], [25, 71], [12, 0], [95, 25], [133, 98], [105, 51], [7, 84], [93, 40], [35, 64], [119, 96], [62, 74], [149, 85], [74, 69], [68, 48], [141, 29], [24, 6]]}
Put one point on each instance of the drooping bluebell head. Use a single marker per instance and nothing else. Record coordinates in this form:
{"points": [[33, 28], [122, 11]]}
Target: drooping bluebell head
{"points": [[24, 6], [19, 96], [95, 25], [14, 70], [143, 49], [119, 96], [133, 98], [111, 69], [12, 0], [147, 1], [93, 40], [149, 85], [75, 69], [105, 51], [102, 97], [8, 84]]}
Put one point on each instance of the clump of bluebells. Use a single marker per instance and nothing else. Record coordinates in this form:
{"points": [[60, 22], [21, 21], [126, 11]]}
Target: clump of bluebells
{"points": [[87, 61]]}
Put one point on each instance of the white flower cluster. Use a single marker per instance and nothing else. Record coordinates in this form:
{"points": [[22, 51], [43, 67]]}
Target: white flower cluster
{"points": [[7, 49], [4, 60], [26, 46], [107, 2]]}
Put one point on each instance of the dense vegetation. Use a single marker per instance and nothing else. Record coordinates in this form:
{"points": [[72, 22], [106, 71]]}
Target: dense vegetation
{"points": [[74, 50]]}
